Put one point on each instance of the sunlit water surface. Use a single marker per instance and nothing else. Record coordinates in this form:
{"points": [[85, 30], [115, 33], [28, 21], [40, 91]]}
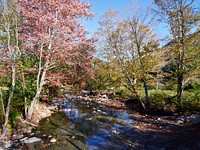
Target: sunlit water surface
{"points": [[85, 125]]}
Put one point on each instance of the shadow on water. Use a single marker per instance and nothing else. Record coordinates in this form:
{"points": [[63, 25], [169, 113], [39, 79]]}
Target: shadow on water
{"points": [[85, 125]]}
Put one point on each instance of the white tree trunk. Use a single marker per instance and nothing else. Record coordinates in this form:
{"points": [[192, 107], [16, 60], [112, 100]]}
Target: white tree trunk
{"points": [[7, 113], [2, 103], [42, 70], [34, 102]]}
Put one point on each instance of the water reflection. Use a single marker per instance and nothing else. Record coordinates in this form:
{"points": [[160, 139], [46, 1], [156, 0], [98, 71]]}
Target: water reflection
{"points": [[88, 126]]}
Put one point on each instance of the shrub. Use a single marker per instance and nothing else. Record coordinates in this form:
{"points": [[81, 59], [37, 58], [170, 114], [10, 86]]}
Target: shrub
{"points": [[158, 99], [191, 101]]}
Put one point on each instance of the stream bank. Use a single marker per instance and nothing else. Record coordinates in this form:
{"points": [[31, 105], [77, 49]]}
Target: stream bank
{"points": [[83, 123]]}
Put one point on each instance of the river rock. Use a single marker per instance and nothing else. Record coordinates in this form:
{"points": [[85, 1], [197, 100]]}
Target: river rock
{"points": [[104, 97], [180, 120], [32, 140], [32, 134], [53, 140], [50, 136], [73, 137]]}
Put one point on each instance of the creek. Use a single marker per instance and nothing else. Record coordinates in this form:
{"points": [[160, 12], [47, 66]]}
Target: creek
{"points": [[82, 124], [85, 125]]}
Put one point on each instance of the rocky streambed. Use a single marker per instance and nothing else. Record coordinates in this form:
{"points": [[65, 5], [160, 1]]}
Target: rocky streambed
{"points": [[81, 123]]}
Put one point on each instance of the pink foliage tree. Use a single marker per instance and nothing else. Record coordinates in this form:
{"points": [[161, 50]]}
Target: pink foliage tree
{"points": [[52, 32]]}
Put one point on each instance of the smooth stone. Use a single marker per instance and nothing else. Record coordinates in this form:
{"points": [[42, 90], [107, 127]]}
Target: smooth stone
{"points": [[32, 140], [32, 134], [73, 137], [53, 140]]}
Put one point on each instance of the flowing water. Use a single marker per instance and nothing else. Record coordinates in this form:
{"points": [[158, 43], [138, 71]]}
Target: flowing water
{"points": [[85, 125]]}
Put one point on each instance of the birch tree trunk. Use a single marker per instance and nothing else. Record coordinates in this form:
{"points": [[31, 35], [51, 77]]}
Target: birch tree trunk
{"points": [[14, 51], [34, 102], [9, 102], [2, 103], [40, 82]]}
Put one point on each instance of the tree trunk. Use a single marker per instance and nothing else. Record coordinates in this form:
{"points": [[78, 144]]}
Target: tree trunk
{"points": [[25, 98], [35, 101], [40, 82], [140, 102], [146, 95], [138, 98], [32, 107], [2, 103], [9, 102], [180, 88]]}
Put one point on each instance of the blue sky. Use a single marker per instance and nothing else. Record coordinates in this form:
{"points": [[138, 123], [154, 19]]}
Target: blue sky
{"points": [[101, 6]]}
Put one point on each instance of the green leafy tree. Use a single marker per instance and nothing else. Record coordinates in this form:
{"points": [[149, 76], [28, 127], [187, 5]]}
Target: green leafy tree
{"points": [[106, 75], [129, 44], [183, 19]]}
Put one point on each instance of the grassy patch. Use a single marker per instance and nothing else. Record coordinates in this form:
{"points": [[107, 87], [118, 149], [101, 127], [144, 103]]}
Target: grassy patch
{"points": [[166, 100]]}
